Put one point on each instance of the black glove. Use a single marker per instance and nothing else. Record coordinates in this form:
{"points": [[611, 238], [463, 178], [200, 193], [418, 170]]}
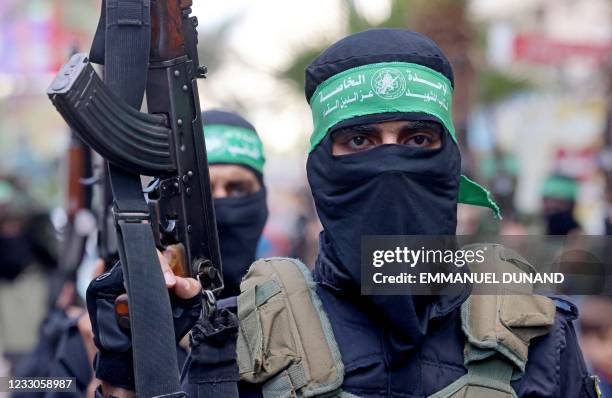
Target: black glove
{"points": [[113, 363], [213, 366]]}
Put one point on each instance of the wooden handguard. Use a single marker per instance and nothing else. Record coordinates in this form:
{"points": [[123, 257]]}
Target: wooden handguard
{"points": [[167, 38]]}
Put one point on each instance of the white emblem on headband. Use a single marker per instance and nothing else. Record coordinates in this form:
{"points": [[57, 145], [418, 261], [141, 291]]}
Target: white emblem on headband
{"points": [[388, 83]]}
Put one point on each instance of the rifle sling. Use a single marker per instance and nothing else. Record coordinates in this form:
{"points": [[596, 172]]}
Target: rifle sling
{"points": [[126, 57], [153, 341], [153, 338], [96, 52], [126, 48]]}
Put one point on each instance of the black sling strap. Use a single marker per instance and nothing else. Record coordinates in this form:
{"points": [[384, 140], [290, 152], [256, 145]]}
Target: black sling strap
{"points": [[123, 41]]}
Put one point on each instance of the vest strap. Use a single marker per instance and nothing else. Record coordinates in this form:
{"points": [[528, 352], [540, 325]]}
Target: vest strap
{"points": [[484, 379], [498, 328], [286, 383]]}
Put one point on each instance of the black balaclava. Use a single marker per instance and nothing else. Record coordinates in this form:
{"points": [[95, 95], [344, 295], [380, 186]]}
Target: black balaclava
{"points": [[16, 253], [560, 218], [240, 221], [388, 190], [561, 222]]}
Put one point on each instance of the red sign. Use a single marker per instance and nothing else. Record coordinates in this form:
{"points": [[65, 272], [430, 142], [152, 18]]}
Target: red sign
{"points": [[580, 164], [539, 49]]}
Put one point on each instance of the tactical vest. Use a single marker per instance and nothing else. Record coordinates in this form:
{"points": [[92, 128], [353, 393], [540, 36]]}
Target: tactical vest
{"points": [[287, 345]]}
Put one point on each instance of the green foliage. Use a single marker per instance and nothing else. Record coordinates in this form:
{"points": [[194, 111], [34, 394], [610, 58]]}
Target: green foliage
{"points": [[399, 15], [295, 71], [496, 86], [355, 22]]}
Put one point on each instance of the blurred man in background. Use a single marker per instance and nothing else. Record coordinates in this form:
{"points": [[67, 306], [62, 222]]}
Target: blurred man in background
{"points": [[26, 233], [28, 257], [559, 193], [236, 161]]}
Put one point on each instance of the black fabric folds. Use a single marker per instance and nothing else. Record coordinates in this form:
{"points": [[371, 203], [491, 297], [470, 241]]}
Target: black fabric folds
{"points": [[388, 190], [561, 222], [213, 365], [240, 222]]}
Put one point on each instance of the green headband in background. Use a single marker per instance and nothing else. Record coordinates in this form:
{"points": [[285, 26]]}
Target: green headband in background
{"points": [[560, 187], [7, 192], [390, 87], [231, 144]]}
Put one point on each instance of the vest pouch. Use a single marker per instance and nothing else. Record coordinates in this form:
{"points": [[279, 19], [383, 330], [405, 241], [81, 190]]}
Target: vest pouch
{"points": [[264, 334], [499, 328], [285, 341]]}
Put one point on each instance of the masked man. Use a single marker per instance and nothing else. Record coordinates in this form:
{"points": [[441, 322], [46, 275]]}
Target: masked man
{"points": [[559, 195], [384, 161], [236, 160], [235, 156]]}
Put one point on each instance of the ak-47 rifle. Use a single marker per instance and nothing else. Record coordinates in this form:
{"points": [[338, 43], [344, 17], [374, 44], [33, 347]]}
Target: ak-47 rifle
{"points": [[166, 143]]}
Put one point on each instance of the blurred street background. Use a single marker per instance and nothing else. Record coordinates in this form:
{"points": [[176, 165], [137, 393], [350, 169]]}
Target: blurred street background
{"points": [[533, 98]]}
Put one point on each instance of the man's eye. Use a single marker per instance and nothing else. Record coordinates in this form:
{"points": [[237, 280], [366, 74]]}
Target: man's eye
{"points": [[419, 140], [358, 141], [237, 190]]}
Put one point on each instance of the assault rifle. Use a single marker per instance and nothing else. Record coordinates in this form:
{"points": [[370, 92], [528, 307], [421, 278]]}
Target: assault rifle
{"points": [[167, 143]]}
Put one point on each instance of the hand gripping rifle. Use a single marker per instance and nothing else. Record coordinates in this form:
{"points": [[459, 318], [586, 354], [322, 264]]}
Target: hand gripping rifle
{"points": [[152, 44]]}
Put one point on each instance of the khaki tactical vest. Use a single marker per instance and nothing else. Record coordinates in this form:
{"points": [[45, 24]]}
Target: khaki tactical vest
{"points": [[286, 342]]}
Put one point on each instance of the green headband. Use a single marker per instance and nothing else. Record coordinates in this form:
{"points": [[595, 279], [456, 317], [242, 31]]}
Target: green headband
{"points": [[7, 193], [560, 188], [386, 87], [231, 144], [380, 88]]}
